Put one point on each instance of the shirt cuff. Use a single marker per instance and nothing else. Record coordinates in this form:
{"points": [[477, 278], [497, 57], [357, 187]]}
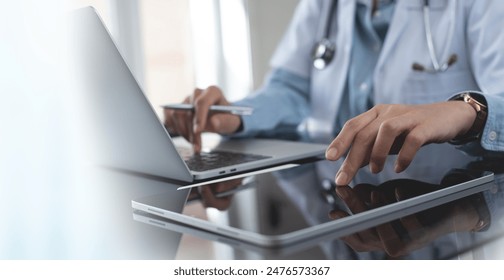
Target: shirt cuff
{"points": [[492, 138]]}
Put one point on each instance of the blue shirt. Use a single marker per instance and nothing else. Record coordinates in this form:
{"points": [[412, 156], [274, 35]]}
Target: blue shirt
{"points": [[369, 35], [284, 101]]}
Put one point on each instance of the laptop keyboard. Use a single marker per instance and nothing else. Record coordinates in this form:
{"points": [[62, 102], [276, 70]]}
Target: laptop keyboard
{"points": [[215, 159]]}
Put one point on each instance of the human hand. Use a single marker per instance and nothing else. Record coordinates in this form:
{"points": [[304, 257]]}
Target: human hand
{"points": [[209, 194], [370, 137], [398, 238], [190, 124]]}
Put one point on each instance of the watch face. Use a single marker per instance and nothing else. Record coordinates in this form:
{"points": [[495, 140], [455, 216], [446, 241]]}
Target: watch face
{"points": [[475, 97], [466, 97]]}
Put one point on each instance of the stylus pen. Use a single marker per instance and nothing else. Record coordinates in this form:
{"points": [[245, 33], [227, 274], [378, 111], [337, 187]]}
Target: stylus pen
{"points": [[235, 110]]}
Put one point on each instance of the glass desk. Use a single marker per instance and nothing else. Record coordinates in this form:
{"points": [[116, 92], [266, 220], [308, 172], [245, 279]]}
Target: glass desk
{"points": [[298, 198], [94, 219]]}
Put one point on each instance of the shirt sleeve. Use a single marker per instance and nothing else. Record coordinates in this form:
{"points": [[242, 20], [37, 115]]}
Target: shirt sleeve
{"points": [[492, 138], [485, 41], [283, 102], [279, 106]]}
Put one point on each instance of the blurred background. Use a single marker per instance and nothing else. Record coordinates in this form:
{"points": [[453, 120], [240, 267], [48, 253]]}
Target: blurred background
{"points": [[47, 196], [173, 46]]}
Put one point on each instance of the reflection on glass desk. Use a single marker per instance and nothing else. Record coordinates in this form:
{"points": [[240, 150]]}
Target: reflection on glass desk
{"points": [[437, 226], [92, 218]]}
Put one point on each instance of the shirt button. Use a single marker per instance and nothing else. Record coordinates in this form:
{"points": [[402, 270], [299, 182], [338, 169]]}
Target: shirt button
{"points": [[363, 87], [492, 136]]}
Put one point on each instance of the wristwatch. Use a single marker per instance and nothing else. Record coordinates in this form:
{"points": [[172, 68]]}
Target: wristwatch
{"points": [[478, 102]]}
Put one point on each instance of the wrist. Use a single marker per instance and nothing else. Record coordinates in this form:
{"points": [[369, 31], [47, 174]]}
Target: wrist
{"points": [[478, 104]]}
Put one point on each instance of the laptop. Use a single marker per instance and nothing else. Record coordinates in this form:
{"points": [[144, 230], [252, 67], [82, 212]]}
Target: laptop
{"points": [[128, 135]]}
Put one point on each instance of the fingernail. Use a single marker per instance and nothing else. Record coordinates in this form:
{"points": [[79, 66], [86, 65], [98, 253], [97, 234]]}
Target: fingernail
{"points": [[397, 168], [373, 168], [331, 153], [341, 179]]}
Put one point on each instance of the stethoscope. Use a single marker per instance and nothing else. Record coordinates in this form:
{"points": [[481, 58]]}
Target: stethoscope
{"points": [[323, 51]]}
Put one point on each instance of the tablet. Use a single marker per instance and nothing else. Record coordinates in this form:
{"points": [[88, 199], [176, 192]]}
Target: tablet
{"points": [[458, 184], [173, 226]]}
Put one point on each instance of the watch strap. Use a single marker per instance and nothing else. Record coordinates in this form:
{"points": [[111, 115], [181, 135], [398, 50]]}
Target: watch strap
{"points": [[479, 122]]}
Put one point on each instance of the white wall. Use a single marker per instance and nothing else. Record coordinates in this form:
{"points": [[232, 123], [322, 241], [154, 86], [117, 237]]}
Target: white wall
{"points": [[268, 21]]}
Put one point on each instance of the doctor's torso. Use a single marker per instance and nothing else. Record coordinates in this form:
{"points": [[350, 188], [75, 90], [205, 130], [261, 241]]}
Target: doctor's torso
{"points": [[393, 80]]}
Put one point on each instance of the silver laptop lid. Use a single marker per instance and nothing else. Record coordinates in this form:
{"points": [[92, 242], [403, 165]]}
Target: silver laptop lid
{"points": [[126, 133]]}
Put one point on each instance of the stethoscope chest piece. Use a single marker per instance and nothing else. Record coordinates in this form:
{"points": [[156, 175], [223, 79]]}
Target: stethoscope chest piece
{"points": [[323, 53]]}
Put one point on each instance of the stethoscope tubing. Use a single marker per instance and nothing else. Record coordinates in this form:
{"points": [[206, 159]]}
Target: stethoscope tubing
{"points": [[428, 35], [325, 43]]}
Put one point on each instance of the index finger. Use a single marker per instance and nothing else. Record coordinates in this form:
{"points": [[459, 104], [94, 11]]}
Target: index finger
{"points": [[195, 137], [344, 140], [202, 102]]}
